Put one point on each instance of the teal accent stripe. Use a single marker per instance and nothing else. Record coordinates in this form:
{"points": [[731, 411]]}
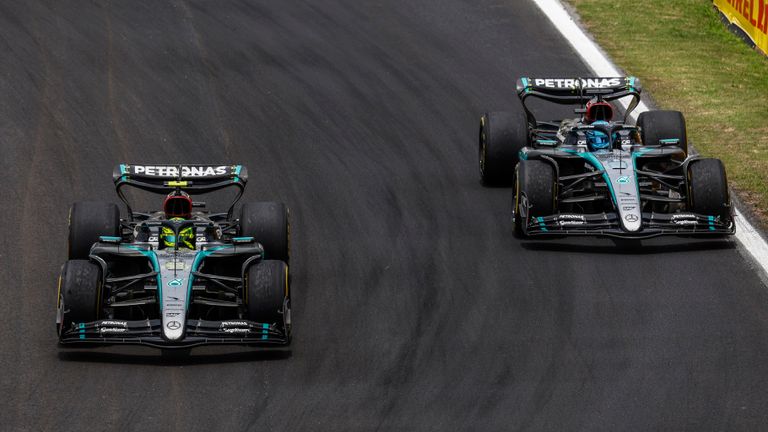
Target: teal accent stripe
{"points": [[237, 172], [199, 257], [525, 82], [711, 223], [596, 163], [634, 168], [123, 169], [599, 166], [541, 223], [155, 266], [264, 331], [82, 330]]}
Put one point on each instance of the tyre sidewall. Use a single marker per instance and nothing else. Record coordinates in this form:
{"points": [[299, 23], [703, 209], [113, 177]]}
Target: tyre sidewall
{"points": [[708, 188], [536, 188], [80, 293], [268, 296]]}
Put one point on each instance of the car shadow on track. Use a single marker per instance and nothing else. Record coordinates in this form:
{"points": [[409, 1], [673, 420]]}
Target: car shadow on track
{"points": [[630, 247], [174, 357]]}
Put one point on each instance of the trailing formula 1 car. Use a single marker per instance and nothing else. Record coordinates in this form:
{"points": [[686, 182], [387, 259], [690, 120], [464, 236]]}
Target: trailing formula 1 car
{"points": [[181, 276], [592, 175]]}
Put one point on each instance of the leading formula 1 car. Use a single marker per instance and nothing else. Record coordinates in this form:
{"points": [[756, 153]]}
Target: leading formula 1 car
{"points": [[181, 276], [592, 175]]}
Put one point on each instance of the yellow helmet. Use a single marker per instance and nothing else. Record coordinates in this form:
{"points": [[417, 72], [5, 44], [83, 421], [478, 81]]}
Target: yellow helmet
{"points": [[186, 237]]}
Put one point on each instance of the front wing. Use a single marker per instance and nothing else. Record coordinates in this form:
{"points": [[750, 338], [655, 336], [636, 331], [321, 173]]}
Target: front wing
{"points": [[198, 332], [608, 224]]}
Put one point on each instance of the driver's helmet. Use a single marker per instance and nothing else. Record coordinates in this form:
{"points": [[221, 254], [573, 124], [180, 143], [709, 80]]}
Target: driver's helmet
{"points": [[598, 111], [177, 204], [186, 237], [596, 139]]}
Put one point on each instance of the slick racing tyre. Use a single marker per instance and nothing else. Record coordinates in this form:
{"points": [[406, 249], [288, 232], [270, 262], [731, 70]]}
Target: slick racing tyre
{"points": [[268, 223], [88, 220], [534, 193], [79, 293], [708, 189], [502, 136], [268, 296], [658, 125]]}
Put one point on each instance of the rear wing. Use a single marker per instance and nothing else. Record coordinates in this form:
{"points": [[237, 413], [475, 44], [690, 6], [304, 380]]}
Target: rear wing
{"points": [[193, 179], [578, 91]]}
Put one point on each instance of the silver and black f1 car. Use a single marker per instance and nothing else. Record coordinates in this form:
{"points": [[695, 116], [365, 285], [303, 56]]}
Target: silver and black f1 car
{"points": [[592, 175], [179, 277]]}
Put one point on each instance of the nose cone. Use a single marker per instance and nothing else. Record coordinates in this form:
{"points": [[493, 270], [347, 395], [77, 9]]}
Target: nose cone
{"points": [[173, 290], [620, 171], [173, 326]]}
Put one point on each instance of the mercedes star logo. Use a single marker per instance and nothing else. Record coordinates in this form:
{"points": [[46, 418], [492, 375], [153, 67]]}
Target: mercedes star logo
{"points": [[173, 325], [631, 218]]}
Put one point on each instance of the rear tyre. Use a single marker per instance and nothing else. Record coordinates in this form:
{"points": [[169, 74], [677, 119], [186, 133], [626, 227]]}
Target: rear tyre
{"points": [[268, 223], [268, 299], [79, 293], [708, 189], [658, 125], [502, 136], [88, 220], [534, 193]]}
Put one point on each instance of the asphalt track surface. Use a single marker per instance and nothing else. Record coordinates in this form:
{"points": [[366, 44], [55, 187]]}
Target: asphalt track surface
{"points": [[414, 307]]}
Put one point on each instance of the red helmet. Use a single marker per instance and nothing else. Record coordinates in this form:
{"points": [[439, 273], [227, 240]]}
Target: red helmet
{"points": [[598, 111], [177, 204]]}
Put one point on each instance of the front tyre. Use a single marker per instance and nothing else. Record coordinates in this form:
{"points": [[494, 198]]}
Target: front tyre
{"points": [[708, 189], [79, 293], [268, 296], [534, 195]]}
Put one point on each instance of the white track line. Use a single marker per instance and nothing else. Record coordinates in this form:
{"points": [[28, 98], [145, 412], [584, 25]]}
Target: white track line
{"points": [[600, 64]]}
